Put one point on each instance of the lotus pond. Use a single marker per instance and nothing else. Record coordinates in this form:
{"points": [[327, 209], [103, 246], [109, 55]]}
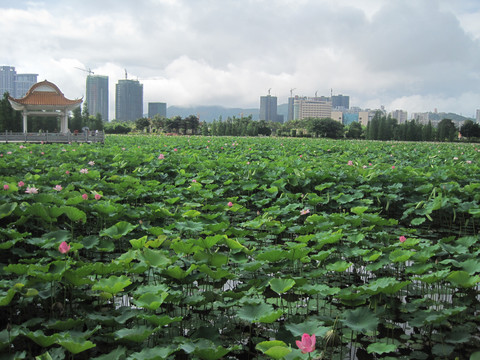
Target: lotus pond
{"points": [[233, 248]]}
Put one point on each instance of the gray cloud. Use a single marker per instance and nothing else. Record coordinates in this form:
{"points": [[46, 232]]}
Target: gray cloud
{"points": [[231, 52]]}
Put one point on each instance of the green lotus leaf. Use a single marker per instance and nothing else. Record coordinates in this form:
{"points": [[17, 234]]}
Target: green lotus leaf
{"points": [[151, 301], [385, 285], [442, 350], [41, 339], [118, 230], [113, 284], [275, 349], [262, 313], [76, 346], [463, 279], [74, 214], [281, 286], [155, 353], [118, 354], [400, 255], [310, 327], [138, 334], [271, 255], [156, 258], [7, 209], [381, 348], [361, 319], [339, 266]]}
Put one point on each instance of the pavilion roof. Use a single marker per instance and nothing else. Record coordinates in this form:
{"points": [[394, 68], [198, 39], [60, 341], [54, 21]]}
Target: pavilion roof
{"points": [[45, 93]]}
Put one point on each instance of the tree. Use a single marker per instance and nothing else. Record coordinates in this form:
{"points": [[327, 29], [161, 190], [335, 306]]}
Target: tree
{"points": [[76, 122], [470, 129], [354, 131], [446, 130], [10, 119], [158, 122], [142, 124]]}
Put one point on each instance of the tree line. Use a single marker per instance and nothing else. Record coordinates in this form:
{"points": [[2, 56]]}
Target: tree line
{"points": [[381, 127]]}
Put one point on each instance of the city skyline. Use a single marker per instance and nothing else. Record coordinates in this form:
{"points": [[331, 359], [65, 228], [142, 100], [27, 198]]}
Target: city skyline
{"points": [[402, 54]]}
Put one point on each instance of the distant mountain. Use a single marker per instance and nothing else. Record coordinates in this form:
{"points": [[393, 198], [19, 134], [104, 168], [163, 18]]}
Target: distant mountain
{"points": [[210, 113], [454, 117]]}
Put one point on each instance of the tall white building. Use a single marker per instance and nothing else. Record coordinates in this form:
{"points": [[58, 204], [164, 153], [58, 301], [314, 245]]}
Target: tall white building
{"points": [[311, 107], [478, 116], [400, 115]]}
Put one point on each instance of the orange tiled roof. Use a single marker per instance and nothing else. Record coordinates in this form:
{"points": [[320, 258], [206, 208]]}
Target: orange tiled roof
{"points": [[45, 93]]}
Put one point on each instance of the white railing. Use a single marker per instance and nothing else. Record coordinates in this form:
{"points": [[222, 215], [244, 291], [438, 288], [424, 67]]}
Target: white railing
{"points": [[46, 137]]}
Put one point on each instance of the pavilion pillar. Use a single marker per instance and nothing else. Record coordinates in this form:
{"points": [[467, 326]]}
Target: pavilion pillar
{"points": [[64, 122], [24, 121]]}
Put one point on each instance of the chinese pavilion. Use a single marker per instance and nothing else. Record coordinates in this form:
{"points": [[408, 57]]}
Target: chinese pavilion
{"points": [[45, 99]]}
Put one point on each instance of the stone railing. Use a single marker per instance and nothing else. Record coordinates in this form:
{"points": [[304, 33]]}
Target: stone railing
{"points": [[46, 137]]}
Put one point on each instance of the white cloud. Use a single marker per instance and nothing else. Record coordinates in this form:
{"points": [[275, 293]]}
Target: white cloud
{"points": [[410, 53]]}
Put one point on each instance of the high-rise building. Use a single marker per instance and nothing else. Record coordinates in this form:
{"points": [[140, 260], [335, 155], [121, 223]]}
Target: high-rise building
{"points": [[15, 84], [400, 115], [97, 95], [291, 99], [340, 102], [157, 108], [316, 107], [478, 116], [268, 108], [23, 83], [128, 100]]}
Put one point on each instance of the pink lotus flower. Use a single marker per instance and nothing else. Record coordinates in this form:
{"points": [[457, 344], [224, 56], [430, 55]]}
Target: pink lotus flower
{"points": [[58, 187], [230, 204], [6, 187], [369, 164], [194, 180], [91, 163], [307, 345], [20, 184], [64, 247], [393, 166], [161, 157], [9, 153], [84, 171], [31, 190], [350, 163], [364, 166], [98, 196], [305, 212], [67, 172], [175, 149], [402, 239], [85, 197], [469, 161]]}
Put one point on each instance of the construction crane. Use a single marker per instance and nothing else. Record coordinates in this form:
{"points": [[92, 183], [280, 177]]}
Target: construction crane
{"points": [[291, 92], [126, 75], [90, 72]]}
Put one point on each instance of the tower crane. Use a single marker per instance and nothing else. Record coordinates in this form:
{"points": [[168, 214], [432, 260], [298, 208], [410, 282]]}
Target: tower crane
{"points": [[291, 92], [90, 72]]}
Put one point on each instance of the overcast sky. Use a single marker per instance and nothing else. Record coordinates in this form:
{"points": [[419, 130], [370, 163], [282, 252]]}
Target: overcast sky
{"points": [[415, 55]]}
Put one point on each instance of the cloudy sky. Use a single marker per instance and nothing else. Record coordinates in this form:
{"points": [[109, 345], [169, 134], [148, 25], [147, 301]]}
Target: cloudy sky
{"points": [[415, 55]]}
